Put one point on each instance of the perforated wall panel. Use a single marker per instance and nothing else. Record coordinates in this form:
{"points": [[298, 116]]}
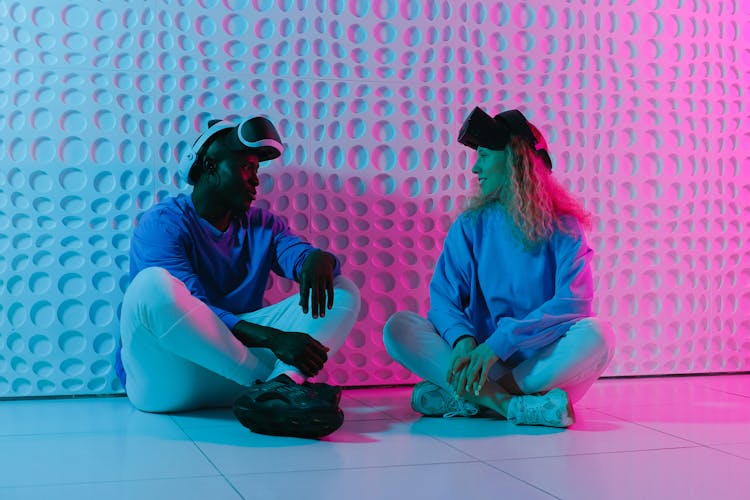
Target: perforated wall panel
{"points": [[644, 107]]}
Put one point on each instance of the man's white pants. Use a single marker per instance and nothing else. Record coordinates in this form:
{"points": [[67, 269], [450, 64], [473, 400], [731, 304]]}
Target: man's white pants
{"points": [[573, 362], [178, 355]]}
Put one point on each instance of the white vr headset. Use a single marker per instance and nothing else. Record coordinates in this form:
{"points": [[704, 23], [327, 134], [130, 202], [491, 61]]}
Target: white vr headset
{"points": [[256, 133]]}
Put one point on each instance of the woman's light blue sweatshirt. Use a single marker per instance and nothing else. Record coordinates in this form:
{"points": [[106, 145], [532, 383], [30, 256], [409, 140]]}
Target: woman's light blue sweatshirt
{"points": [[488, 286]]}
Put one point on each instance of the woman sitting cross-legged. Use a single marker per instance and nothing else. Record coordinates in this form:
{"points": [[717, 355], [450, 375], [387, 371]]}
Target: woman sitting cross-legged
{"points": [[510, 326]]}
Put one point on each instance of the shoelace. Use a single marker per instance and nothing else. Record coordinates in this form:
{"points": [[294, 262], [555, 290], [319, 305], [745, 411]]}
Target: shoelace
{"points": [[461, 408]]}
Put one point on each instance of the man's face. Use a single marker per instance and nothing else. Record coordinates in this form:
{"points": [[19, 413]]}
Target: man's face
{"points": [[237, 176]]}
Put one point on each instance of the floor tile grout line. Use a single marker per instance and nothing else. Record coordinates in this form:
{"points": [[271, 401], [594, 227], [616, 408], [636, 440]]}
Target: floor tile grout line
{"points": [[713, 395], [223, 475], [522, 480], [441, 441], [184, 430], [103, 432], [487, 460], [693, 445], [200, 450], [132, 480], [725, 391], [590, 453], [731, 443], [360, 467], [646, 426], [496, 463], [714, 447], [455, 448]]}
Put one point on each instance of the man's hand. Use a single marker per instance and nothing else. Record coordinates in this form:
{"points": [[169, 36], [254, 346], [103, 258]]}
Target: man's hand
{"points": [[295, 348], [460, 357], [300, 350], [316, 279]]}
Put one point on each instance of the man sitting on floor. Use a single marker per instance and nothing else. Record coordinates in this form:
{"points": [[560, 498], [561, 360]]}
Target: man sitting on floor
{"points": [[194, 332]]}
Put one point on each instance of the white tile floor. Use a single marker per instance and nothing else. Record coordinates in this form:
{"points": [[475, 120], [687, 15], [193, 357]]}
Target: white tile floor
{"points": [[669, 438]]}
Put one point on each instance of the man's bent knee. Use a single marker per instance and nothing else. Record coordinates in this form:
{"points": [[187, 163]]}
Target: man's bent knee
{"points": [[345, 291], [153, 285]]}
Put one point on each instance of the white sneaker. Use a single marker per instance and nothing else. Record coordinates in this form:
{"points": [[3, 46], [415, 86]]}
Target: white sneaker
{"points": [[552, 409], [433, 401]]}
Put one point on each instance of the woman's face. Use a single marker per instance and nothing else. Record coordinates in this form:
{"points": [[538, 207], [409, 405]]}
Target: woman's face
{"points": [[491, 169]]}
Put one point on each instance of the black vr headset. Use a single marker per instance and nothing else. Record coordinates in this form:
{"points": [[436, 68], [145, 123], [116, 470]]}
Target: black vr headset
{"points": [[480, 129], [257, 134]]}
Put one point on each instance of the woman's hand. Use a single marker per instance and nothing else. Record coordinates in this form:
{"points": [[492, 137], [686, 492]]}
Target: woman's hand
{"points": [[460, 357], [480, 361]]}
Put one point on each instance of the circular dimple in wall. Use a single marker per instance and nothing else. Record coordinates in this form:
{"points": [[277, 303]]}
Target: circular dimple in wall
{"points": [[43, 150], [71, 261], [42, 315], [104, 344], [42, 17], [16, 315], [72, 384], [103, 151], [101, 368], [103, 282], [101, 313], [71, 285], [15, 285], [39, 282], [72, 367], [40, 345], [382, 282], [71, 342], [96, 385], [100, 258], [40, 182], [43, 369], [19, 365], [72, 151], [46, 386], [21, 387], [382, 308], [73, 179]]}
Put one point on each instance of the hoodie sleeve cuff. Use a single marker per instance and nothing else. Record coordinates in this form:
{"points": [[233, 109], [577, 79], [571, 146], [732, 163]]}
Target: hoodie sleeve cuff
{"points": [[453, 334], [229, 319], [499, 342]]}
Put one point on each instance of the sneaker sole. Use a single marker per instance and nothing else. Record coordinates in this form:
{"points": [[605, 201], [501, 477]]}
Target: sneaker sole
{"points": [[311, 424], [572, 414]]}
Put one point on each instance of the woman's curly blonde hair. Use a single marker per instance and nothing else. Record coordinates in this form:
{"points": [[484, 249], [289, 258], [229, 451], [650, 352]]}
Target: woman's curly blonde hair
{"points": [[531, 197]]}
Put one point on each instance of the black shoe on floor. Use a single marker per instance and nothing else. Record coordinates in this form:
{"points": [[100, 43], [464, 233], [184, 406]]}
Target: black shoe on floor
{"points": [[281, 407], [331, 393]]}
